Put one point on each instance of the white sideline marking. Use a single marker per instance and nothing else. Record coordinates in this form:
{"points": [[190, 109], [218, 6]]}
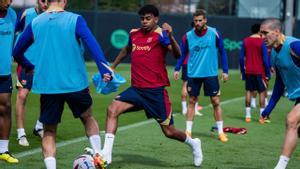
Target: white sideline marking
{"points": [[80, 139]]}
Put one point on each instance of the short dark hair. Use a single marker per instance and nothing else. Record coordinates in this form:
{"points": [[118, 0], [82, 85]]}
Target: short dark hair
{"points": [[255, 28], [148, 9], [200, 12]]}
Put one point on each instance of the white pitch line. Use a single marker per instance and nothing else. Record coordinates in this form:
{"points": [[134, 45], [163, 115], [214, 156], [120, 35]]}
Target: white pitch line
{"points": [[124, 128]]}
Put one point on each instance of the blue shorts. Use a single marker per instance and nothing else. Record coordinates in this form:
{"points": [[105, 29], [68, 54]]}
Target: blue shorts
{"points": [[255, 83], [211, 86], [24, 80], [5, 84], [154, 101], [184, 76], [52, 105]]}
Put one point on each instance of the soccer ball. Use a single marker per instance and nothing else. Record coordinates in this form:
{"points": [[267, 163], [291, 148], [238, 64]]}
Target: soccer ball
{"points": [[84, 161]]}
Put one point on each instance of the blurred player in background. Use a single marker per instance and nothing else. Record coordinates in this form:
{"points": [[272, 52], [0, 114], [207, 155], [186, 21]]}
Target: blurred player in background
{"points": [[203, 43], [59, 72], [8, 19], [24, 81], [148, 47], [286, 61], [254, 66], [184, 79]]}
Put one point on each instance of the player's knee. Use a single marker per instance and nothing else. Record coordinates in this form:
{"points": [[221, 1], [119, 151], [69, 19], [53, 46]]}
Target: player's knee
{"points": [[5, 108], [22, 96], [193, 101], [291, 122], [112, 111], [168, 133], [215, 103], [86, 115]]}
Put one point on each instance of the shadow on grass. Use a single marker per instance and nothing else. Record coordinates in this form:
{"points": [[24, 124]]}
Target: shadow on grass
{"points": [[135, 159]]}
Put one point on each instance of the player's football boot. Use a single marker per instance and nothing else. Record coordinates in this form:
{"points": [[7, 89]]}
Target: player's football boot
{"points": [[197, 153], [197, 113], [99, 162], [248, 119], [23, 141], [6, 156], [223, 137], [264, 120]]}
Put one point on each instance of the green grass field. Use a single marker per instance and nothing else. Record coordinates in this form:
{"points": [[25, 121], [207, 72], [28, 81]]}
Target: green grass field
{"points": [[140, 144]]}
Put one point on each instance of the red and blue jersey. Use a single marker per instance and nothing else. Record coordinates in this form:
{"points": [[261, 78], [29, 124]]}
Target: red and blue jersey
{"points": [[148, 63], [254, 57]]}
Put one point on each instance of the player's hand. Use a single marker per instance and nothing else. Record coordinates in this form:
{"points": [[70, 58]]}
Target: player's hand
{"points": [[225, 77], [167, 28], [176, 75], [106, 77]]}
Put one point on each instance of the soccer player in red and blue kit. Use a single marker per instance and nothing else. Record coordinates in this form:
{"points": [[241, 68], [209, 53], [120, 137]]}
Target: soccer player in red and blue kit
{"points": [[148, 46], [254, 66]]}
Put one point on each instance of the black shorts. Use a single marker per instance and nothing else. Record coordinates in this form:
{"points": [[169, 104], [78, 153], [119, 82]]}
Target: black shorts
{"points": [[184, 76], [154, 101], [255, 83], [5, 84], [52, 105], [211, 86], [297, 101]]}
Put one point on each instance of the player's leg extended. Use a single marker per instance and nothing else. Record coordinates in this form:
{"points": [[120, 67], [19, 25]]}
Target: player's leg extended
{"points": [[291, 137], [48, 145], [171, 132], [113, 111], [20, 115]]}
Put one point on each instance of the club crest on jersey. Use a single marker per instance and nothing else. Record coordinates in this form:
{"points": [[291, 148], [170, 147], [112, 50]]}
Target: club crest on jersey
{"points": [[24, 82], [149, 40]]}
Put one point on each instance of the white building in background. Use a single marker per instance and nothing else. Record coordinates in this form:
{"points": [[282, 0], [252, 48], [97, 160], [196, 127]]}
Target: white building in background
{"points": [[23, 3]]}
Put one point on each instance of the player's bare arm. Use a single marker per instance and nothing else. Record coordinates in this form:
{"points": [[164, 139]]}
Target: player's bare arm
{"points": [[123, 53], [174, 47]]}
